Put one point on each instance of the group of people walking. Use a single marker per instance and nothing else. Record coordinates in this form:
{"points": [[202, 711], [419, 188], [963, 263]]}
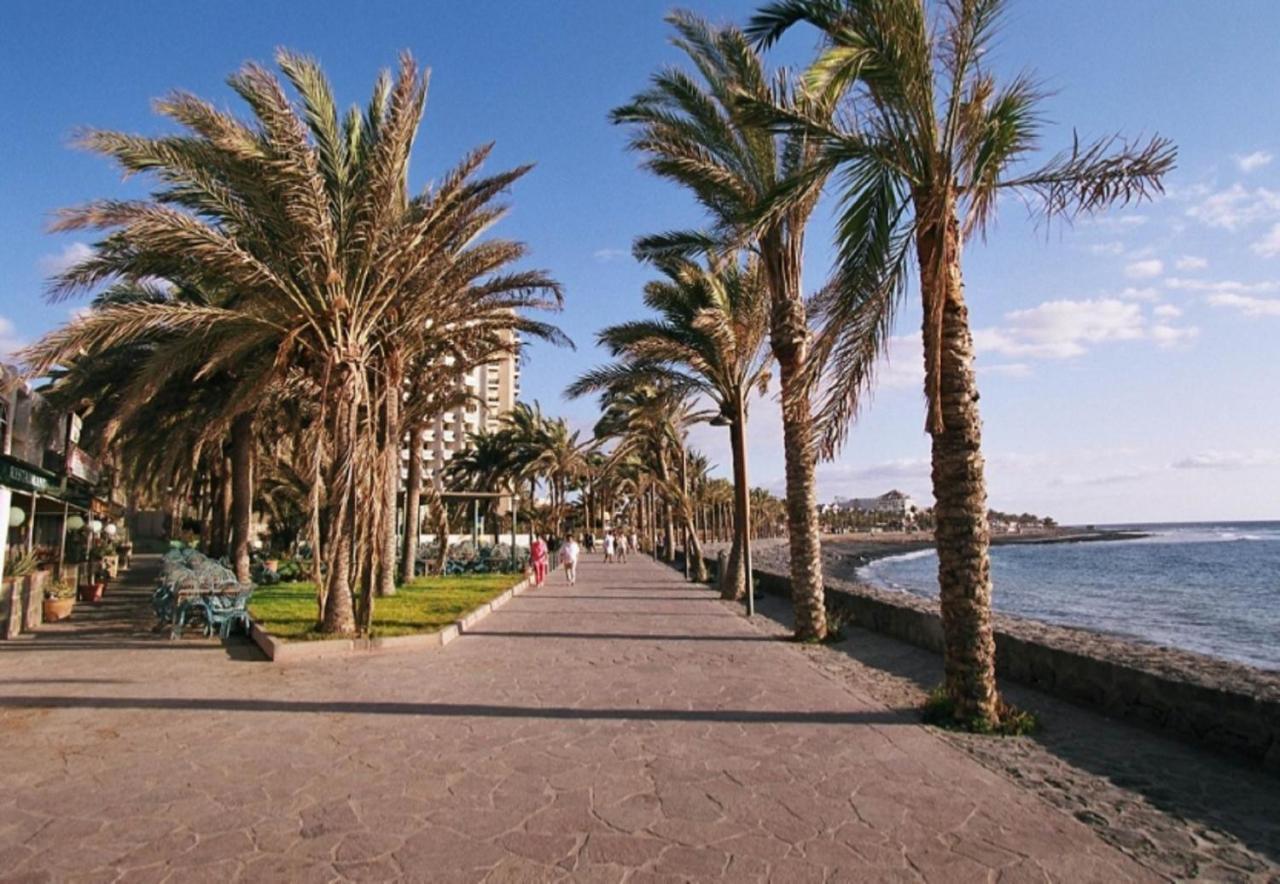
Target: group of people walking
{"points": [[617, 546]]}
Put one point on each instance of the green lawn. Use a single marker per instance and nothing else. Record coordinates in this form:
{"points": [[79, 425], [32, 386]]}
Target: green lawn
{"points": [[288, 610]]}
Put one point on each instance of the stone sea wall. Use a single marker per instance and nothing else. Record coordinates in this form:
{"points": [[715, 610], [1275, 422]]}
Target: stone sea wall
{"points": [[1231, 708]]}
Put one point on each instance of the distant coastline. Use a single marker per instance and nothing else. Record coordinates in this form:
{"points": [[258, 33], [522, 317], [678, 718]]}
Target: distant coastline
{"points": [[843, 554]]}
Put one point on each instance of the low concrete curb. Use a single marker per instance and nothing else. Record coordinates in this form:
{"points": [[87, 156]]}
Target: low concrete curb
{"points": [[280, 651]]}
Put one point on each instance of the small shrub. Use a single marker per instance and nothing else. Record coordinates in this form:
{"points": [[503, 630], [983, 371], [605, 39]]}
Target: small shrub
{"points": [[939, 710]]}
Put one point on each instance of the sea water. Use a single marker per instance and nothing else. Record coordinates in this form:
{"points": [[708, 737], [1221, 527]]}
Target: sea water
{"points": [[1213, 588]]}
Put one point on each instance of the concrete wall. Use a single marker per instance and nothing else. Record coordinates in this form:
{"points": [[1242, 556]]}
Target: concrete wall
{"points": [[1231, 708]]}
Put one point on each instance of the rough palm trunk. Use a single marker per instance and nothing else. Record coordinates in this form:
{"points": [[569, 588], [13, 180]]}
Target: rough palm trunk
{"points": [[391, 441], [789, 340], [339, 612], [959, 484], [740, 553], [412, 506], [241, 492], [220, 517]]}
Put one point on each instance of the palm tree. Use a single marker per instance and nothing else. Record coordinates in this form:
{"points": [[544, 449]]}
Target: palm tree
{"points": [[485, 465], [707, 339], [694, 133], [560, 459], [938, 141], [300, 228]]}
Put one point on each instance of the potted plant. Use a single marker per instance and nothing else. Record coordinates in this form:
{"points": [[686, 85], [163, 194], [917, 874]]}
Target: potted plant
{"points": [[59, 600], [97, 585]]}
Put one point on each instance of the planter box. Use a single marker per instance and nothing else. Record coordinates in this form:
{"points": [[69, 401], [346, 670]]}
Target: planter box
{"points": [[280, 651], [57, 609], [11, 605]]}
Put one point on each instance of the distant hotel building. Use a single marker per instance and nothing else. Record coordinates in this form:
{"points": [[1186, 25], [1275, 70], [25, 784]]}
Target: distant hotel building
{"points": [[494, 388], [893, 503]]}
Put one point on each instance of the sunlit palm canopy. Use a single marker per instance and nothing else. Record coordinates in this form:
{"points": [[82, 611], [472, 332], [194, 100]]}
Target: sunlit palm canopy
{"points": [[925, 124]]}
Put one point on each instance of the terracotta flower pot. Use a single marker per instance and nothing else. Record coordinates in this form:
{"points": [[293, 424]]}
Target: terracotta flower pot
{"points": [[92, 592], [54, 610]]}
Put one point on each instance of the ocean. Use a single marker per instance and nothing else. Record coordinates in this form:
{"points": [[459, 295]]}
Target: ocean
{"points": [[1209, 587]]}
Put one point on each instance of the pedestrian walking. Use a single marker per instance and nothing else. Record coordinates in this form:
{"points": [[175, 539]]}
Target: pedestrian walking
{"points": [[621, 552], [609, 545], [569, 558], [539, 559]]}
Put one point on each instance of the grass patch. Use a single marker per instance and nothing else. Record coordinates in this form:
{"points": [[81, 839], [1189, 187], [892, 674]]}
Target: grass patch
{"points": [[288, 610], [1014, 722]]}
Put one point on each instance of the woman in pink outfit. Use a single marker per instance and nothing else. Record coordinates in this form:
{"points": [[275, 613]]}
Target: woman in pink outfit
{"points": [[539, 560]]}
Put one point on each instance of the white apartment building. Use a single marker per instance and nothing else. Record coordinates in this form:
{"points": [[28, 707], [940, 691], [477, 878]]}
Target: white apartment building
{"points": [[892, 503], [494, 388]]}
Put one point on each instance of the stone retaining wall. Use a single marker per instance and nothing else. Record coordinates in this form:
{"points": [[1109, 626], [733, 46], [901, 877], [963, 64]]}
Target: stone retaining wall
{"points": [[1228, 707]]}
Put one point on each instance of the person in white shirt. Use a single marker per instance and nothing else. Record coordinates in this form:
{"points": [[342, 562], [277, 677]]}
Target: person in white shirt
{"points": [[569, 558], [608, 547], [622, 547]]}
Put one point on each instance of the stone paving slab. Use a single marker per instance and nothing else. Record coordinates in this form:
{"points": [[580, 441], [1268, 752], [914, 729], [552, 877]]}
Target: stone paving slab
{"points": [[629, 728]]}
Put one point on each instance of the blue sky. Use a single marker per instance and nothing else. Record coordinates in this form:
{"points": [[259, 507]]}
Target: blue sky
{"points": [[1127, 363]]}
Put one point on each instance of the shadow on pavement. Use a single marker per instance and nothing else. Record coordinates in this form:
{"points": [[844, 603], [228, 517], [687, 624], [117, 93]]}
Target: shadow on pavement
{"points": [[459, 710]]}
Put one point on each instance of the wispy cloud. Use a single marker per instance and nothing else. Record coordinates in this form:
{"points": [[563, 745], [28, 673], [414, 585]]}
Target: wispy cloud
{"points": [[1236, 207], [1146, 293], [606, 255], [1066, 329], [1147, 269], [1269, 245], [1228, 460], [10, 341], [71, 254], [1061, 329], [1167, 311], [1251, 161], [1246, 304], [1107, 248], [1190, 262]]}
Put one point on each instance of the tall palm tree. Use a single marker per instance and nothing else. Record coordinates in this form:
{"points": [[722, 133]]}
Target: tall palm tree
{"points": [[938, 141], [560, 459], [708, 339], [694, 133], [300, 226]]}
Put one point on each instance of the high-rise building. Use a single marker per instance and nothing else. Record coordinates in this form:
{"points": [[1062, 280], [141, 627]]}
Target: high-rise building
{"points": [[493, 388]]}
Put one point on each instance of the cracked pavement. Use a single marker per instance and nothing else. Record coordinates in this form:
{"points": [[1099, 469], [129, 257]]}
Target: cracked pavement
{"points": [[630, 728]]}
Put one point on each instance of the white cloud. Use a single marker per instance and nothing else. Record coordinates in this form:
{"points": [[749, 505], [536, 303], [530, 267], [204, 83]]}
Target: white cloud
{"points": [[1269, 245], [1190, 262], [1246, 304], [1061, 329], [10, 342], [71, 254], [1228, 460], [1113, 222], [1251, 161], [1167, 311], [903, 368], [1222, 285], [1170, 336], [1107, 248], [1144, 269], [607, 255], [1131, 293], [1237, 207], [1008, 369]]}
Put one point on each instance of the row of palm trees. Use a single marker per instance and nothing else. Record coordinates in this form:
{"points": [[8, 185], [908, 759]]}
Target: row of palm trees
{"points": [[900, 112], [282, 284]]}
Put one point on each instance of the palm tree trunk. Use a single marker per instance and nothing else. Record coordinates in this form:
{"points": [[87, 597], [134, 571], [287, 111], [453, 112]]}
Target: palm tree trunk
{"points": [[391, 441], [339, 614], [221, 516], [959, 484], [740, 553], [241, 492], [789, 339], [412, 507]]}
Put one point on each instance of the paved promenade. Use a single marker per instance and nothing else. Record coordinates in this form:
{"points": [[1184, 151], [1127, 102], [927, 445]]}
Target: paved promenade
{"points": [[629, 728]]}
